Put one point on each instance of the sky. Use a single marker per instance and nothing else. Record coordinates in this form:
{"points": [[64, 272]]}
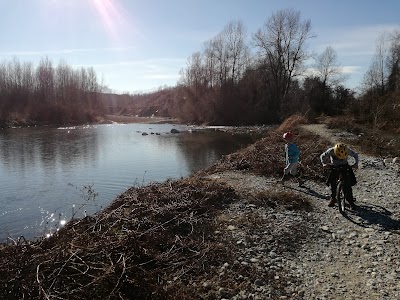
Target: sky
{"points": [[141, 45]]}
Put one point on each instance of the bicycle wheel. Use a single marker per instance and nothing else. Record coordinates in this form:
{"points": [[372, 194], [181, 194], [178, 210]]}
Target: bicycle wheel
{"points": [[341, 197]]}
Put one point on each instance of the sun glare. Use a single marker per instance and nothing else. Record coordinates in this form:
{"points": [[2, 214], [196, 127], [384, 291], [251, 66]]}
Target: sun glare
{"points": [[111, 15]]}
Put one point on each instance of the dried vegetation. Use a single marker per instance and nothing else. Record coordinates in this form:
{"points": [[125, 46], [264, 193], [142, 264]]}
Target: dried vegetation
{"points": [[266, 156], [385, 143]]}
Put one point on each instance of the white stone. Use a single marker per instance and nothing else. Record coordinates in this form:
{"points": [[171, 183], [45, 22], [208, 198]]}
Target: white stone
{"points": [[387, 161]]}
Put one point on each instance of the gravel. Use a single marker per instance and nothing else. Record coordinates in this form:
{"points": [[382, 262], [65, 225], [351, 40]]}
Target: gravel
{"points": [[315, 253], [357, 254]]}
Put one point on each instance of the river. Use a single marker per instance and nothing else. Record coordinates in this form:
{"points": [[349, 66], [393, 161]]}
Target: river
{"points": [[49, 175]]}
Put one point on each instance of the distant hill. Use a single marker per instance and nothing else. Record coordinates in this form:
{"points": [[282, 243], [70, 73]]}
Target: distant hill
{"points": [[158, 104]]}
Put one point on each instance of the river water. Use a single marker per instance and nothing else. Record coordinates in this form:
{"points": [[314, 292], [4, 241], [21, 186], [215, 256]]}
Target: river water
{"points": [[48, 175]]}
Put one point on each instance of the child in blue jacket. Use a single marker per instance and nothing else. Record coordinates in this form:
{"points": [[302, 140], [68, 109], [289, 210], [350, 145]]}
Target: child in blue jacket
{"points": [[292, 154]]}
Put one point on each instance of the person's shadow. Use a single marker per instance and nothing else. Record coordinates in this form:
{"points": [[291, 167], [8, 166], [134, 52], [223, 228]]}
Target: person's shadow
{"points": [[368, 214], [373, 215], [306, 190]]}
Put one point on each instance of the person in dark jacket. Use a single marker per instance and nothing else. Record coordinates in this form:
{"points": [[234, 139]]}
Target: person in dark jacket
{"points": [[338, 156]]}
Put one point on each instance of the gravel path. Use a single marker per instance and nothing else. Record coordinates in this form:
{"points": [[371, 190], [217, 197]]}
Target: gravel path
{"points": [[326, 255], [358, 255]]}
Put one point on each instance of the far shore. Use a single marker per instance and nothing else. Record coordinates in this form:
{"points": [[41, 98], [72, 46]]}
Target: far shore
{"points": [[256, 129], [107, 119], [136, 119], [120, 119]]}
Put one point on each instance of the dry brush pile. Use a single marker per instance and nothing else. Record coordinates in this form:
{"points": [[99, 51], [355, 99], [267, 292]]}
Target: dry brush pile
{"points": [[145, 244], [266, 156]]}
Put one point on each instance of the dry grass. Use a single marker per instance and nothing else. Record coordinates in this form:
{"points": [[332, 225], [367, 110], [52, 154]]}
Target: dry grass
{"points": [[346, 123], [148, 243], [372, 142], [282, 200], [292, 122], [266, 156]]}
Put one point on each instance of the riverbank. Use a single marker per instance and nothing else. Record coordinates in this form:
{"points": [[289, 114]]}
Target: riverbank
{"points": [[133, 119], [227, 232], [17, 120]]}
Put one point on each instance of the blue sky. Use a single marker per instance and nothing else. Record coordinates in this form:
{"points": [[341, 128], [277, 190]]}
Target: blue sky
{"points": [[140, 45]]}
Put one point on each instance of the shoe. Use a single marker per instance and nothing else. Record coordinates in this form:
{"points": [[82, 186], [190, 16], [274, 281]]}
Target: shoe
{"points": [[283, 179], [352, 204], [331, 202]]}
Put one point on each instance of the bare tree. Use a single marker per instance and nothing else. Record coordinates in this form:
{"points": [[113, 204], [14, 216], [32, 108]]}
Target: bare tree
{"points": [[236, 50], [394, 62], [93, 85], [375, 101], [377, 74], [28, 77], [226, 55], [217, 51], [45, 80], [328, 69], [282, 45], [210, 62], [194, 72]]}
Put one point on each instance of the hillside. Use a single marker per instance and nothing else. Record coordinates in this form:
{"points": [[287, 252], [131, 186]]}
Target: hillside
{"points": [[157, 104]]}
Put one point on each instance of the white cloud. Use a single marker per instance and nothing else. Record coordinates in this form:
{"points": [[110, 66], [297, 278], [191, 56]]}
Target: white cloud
{"points": [[354, 41], [153, 63], [355, 47], [64, 51], [163, 76], [350, 69]]}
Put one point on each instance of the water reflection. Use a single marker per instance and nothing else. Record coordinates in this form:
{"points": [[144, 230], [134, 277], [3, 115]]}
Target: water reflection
{"points": [[25, 148], [45, 172], [204, 148]]}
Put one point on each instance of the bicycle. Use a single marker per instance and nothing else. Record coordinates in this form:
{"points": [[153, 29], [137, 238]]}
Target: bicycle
{"points": [[342, 188]]}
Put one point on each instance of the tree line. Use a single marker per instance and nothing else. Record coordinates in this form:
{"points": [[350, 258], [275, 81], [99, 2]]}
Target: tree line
{"points": [[379, 102], [47, 94], [235, 79], [232, 81]]}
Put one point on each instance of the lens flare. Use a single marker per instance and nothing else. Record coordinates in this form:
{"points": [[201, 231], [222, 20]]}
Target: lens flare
{"points": [[111, 15]]}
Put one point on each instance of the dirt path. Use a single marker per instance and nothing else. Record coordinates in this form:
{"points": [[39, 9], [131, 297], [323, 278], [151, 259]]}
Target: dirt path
{"points": [[355, 256], [331, 135], [359, 253]]}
